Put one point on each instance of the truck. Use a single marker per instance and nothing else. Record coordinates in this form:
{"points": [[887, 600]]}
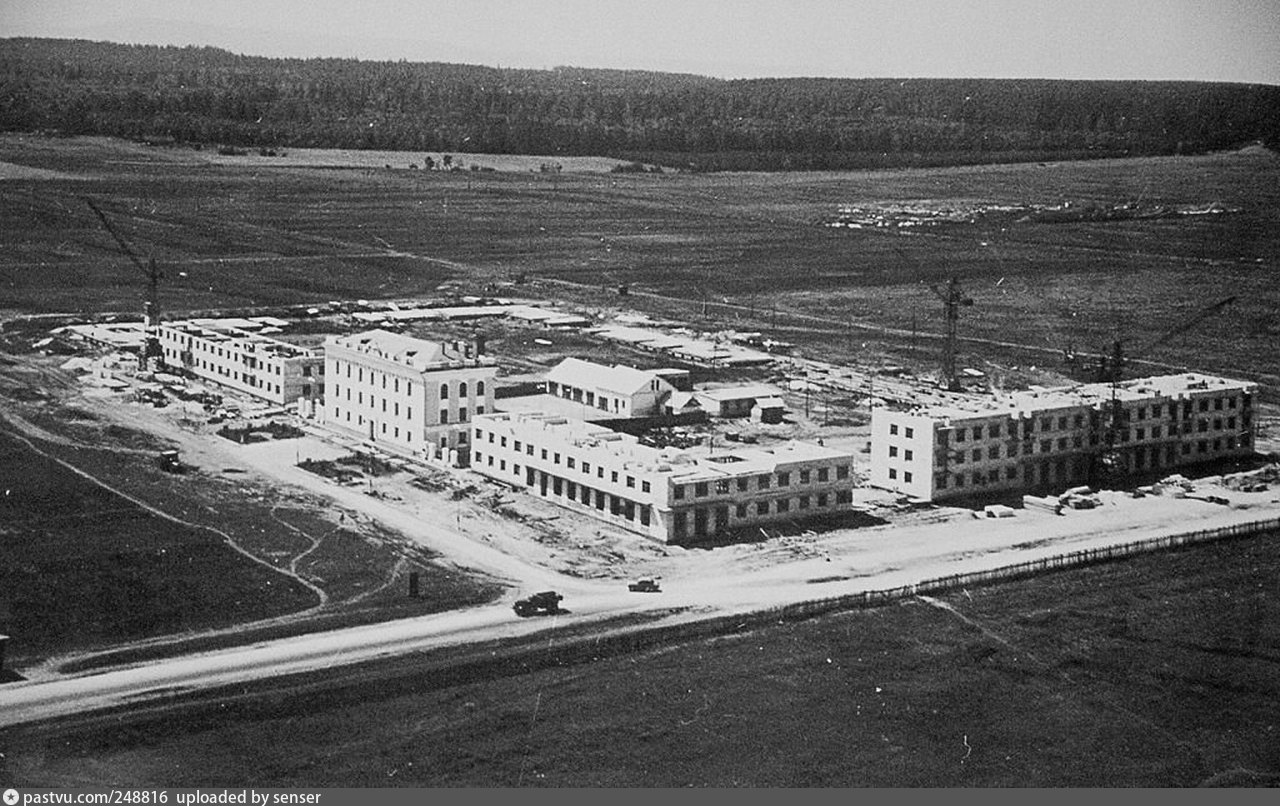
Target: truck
{"points": [[545, 603], [645, 586], [169, 462]]}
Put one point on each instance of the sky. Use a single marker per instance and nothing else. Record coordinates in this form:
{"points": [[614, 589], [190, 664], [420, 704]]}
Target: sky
{"points": [[1199, 40]]}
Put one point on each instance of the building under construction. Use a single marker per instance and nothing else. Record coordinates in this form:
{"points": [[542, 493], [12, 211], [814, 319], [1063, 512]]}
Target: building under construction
{"points": [[1061, 437], [230, 353]]}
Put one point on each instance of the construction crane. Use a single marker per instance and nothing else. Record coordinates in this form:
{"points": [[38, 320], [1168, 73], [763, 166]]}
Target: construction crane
{"points": [[1110, 369], [953, 299], [151, 305]]}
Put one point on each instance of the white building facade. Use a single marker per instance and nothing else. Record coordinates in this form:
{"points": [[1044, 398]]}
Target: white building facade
{"points": [[1056, 438], [675, 496], [247, 362], [618, 391], [409, 395]]}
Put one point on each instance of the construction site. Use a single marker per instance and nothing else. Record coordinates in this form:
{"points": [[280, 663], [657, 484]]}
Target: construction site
{"points": [[511, 454]]}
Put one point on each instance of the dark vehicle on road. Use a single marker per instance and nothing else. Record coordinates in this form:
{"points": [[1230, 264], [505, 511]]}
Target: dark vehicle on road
{"points": [[546, 603], [645, 586]]}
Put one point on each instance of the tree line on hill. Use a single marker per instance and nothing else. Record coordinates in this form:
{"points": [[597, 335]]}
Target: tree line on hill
{"points": [[208, 95]]}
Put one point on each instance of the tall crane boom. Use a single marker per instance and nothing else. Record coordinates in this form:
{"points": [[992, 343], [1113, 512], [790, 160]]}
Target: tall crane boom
{"points": [[952, 300], [151, 305]]}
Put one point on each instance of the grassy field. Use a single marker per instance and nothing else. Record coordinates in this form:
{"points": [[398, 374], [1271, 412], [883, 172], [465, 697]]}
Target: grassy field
{"points": [[1155, 671], [87, 570], [251, 234]]}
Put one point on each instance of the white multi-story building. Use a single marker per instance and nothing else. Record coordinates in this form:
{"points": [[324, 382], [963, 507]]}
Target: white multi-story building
{"points": [[1058, 438], [242, 360], [676, 496], [407, 394], [618, 391]]}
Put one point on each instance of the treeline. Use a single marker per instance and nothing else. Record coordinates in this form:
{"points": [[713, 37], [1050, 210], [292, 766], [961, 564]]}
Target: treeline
{"points": [[207, 95]]}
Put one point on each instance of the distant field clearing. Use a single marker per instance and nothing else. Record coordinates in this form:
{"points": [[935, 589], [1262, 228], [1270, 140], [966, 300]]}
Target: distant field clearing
{"points": [[351, 158], [10, 171]]}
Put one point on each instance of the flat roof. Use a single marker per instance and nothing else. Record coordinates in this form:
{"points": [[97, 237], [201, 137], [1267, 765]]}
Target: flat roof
{"points": [[710, 461], [1031, 402]]}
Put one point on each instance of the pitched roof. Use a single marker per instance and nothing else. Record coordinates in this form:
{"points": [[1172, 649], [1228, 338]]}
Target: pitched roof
{"points": [[586, 375]]}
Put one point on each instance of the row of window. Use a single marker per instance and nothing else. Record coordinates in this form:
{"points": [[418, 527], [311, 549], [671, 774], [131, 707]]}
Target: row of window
{"points": [[1146, 456], [572, 491], [214, 370], [554, 457], [446, 391], [711, 520], [763, 481]]}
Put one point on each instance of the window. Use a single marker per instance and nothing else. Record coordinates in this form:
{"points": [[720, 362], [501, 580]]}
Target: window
{"points": [[742, 484], [700, 489], [977, 454], [960, 432], [909, 432], [544, 454], [479, 388], [631, 481], [977, 433], [822, 499], [556, 459], [908, 455], [842, 471], [680, 522], [570, 462], [644, 487], [762, 482], [893, 450], [906, 476], [740, 510], [586, 467], [762, 507], [893, 429], [491, 436], [1011, 472], [1062, 423], [677, 491], [614, 477], [804, 474], [940, 482], [1217, 404], [995, 431], [784, 504], [503, 442], [462, 414], [993, 452], [444, 417], [722, 486], [804, 499], [1062, 443], [893, 473], [823, 474], [1045, 445], [444, 391], [462, 389], [784, 479]]}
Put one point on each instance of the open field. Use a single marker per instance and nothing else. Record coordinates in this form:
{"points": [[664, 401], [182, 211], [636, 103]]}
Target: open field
{"points": [[157, 563], [250, 234], [1154, 671]]}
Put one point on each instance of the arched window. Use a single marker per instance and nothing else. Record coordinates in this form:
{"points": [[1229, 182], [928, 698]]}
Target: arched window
{"points": [[479, 388], [462, 389], [444, 391]]}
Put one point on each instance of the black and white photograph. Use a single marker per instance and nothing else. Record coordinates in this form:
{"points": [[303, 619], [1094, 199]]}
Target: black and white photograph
{"points": [[414, 395]]}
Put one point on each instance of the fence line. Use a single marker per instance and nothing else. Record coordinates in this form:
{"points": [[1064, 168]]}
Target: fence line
{"points": [[1029, 568]]}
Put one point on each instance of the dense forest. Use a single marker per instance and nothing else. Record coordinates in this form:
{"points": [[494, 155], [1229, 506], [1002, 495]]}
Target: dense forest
{"points": [[210, 96]]}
